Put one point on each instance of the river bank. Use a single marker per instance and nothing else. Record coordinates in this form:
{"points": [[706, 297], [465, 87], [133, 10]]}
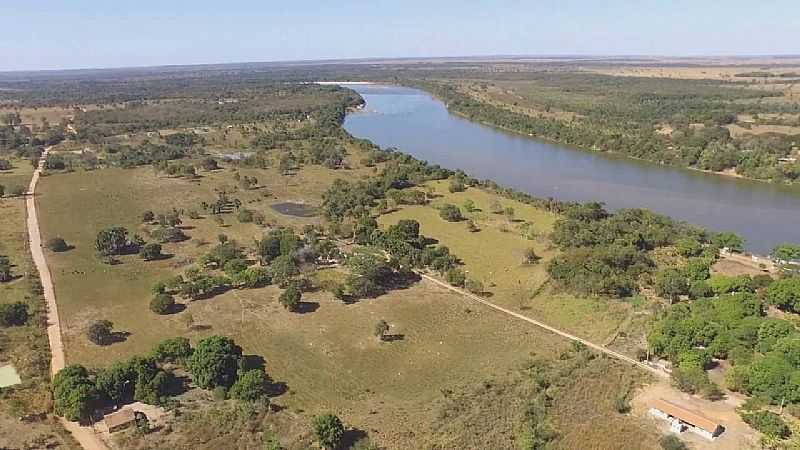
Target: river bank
{"points": [[421, 125]]}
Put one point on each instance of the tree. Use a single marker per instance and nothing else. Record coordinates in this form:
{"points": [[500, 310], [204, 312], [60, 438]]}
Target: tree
{"points": [[56, 244], [785, 294], [729, 240], [381, 328], [282, 269], [151, 252], [148, 216], [290, 297], [786, 252], [456, 185], [671, 284], [450, 213], [74, 394], [176, 350], [112, 241], [215, 362], [13, 314], [251, 386], [100, 332], [329, 431], [162, 304], [509, 212]]}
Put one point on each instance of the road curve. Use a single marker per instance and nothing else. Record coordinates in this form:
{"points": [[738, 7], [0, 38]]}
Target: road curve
{"points": [[561, 333], [85, 436]]}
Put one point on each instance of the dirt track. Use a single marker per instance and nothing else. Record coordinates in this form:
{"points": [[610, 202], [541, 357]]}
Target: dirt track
{"points": [[572, 337], [84, 435]]}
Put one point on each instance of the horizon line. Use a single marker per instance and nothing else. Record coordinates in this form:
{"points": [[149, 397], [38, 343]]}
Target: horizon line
{"points": [[367, 59]]}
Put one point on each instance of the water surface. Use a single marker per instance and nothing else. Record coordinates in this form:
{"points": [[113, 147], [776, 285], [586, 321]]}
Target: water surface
{"points": [[417, 124]]}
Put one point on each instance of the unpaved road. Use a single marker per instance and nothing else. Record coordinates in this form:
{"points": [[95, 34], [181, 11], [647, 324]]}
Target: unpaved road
{"points": [[84, 435], [572, 337]]}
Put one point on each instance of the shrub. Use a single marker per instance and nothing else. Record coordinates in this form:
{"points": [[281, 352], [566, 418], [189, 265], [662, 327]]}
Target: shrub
{"points": [[328, 430], [290, 298], [175, 350], [100, 332], [450, 213], [148, 216], [13, 314], [530, 256], [165, 234], [456, 277], [162, 304], [151, 252], [245, 215], [16, 190], [768, 423], [672, 442], [251, 386], [456, 185], [57, 244], [474, 286]]}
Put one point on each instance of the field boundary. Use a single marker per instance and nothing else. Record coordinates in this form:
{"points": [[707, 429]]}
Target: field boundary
{"points": [[549, 328], [85, 435]]}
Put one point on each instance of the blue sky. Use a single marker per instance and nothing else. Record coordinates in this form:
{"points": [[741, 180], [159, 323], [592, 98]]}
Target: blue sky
{"points": [[55, 34]]}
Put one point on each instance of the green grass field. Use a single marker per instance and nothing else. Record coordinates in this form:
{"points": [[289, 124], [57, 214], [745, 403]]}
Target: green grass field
{"points": [[328, 358], [494, 256]]}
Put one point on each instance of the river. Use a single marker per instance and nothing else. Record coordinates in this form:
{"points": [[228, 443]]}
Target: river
{"points": [[417, 124]]}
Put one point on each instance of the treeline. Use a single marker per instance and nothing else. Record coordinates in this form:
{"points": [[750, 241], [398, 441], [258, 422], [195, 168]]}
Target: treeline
{"points": [[215, 363]]}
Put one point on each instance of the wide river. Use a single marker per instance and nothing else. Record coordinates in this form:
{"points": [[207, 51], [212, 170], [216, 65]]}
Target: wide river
{"points": [[417, 124]]}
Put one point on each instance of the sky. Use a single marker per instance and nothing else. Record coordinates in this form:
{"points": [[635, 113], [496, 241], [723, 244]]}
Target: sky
{"points": [[63, 34]]}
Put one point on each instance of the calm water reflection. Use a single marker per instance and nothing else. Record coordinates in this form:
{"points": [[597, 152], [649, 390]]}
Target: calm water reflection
{"points": [[417, 124]]}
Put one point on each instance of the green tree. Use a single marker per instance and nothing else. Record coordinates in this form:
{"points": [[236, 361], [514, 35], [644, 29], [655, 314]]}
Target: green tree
{"points": [[768, 423], [785, 294], [328, 430], [112, 241], [688, 248], [162, 303], [290, 297], [5, 270], [175, 350], [729, 240], [282, 269], [672, 442], [671, 284], [74, 394], [786, 252], [215, 362], [251, 386], [13, 314]]}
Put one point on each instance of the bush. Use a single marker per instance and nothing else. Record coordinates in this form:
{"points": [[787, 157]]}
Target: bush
{"points": [[13, 314], [450, 213], [290, 298], [530, 256], [456, 277], [329, 431], [99, 332], [151, 252], [251, 386], [768, 423], [57, 244], [245, 216], [456, 185], [474, 286], [16, 190], [672, 442], [162, 304], [166, 234], [175, 350]]}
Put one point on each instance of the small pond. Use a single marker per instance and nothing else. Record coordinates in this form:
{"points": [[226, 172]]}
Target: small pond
{"points": [[295, 209]]}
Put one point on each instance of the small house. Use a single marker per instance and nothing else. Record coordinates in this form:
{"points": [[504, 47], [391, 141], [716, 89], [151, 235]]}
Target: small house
{"points": [[120, 420], [682, 419]]}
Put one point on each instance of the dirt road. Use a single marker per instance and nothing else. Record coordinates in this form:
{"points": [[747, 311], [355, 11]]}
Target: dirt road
{"points": [[84, 435], [572, 337]]}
